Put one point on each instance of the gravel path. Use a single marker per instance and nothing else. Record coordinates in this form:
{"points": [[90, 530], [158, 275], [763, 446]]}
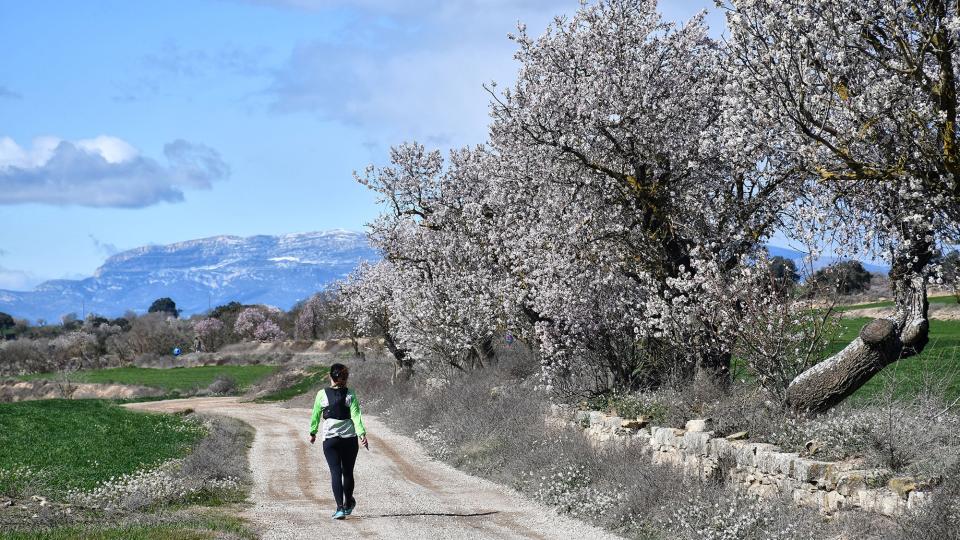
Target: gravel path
{"points": [[401, 493]]}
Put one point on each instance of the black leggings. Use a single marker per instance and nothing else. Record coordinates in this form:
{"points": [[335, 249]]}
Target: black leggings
{"points": [[341, 454]]}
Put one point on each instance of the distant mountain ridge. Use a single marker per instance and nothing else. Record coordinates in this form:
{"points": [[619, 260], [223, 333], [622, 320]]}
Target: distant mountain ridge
{"points": [[275, 270]]}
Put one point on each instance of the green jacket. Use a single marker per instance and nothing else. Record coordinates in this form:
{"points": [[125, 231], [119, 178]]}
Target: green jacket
{"points": [[352, 427]]}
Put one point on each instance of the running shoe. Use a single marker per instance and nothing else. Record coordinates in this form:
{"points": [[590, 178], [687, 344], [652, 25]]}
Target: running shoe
{"points": [[339, 514], [350, 506]]}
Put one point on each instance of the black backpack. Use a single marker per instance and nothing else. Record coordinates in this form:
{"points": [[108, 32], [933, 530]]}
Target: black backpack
{"points": [[337, 407]]}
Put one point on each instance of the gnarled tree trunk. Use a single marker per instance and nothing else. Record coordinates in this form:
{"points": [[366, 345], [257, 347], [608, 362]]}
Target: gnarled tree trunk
{"points": [[482, 354], [880, 343], [402, 364]]}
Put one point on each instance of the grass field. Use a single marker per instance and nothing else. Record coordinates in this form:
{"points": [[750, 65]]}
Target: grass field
{"points": [[197, 526], [940, 361], [182, 379], [76, 444], [316, 376]]}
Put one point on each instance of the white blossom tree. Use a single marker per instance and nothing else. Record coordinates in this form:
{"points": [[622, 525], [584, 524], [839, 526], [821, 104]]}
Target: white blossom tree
{"points": [[865, 98], [433, 234], [210, 333], [259, 323], [634, 209], [607, 218], [368, 300]]}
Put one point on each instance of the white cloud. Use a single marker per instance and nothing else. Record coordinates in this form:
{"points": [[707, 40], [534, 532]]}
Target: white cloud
{"points": [[112, 149], [103, 171], [17, 280], [410, 70], [415, 70], [106, 248]]}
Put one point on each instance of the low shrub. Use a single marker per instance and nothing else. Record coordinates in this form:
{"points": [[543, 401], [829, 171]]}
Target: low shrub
{"points": [[629, 406], [939, 520], [905, 436], [222, 385]]}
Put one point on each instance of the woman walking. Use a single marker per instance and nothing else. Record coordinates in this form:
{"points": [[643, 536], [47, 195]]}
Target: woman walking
{"points": [[339, 408]]}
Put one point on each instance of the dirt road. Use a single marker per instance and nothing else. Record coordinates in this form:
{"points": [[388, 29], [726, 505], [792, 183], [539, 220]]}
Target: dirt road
{"points": [[401, 493]]}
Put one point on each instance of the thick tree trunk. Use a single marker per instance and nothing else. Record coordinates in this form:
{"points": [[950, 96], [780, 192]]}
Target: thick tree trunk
{"points": [[357, 352], [485, 351], [880, 343], [402, 365], [716, 365]]}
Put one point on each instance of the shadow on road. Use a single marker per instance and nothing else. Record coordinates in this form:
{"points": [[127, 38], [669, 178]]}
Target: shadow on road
{"points": [[442, 514]]}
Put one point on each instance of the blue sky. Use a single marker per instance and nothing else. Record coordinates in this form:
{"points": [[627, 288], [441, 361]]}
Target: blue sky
{"points": [[156, 122]]}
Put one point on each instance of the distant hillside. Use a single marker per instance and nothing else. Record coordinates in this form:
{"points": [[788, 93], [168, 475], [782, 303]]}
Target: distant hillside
{"points": [[798, 257], [275, 270]]}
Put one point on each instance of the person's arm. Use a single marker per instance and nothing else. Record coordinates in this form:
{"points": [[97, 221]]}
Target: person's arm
{"points": [[315, 418], [357, 418]]}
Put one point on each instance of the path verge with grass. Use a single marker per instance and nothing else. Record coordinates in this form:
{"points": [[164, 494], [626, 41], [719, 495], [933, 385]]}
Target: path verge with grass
{"points": [[55, 445], [94, 469]]}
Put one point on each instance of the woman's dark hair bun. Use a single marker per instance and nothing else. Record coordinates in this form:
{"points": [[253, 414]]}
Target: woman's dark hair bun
{"points": [[339, 372]]}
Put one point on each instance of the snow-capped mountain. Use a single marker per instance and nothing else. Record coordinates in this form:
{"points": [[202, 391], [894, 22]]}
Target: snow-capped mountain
{"points": [[275, 270]]}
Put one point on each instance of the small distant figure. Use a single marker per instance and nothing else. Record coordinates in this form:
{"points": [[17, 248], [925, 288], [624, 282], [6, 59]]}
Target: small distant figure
{"points": [[343, 433], [509, 338], [177, 351], [197, 344]]}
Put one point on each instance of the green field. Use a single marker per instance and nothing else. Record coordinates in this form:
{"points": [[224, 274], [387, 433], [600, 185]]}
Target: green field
{"points": [[191, 527], [76, 444], [181, 379], [940, 361]]}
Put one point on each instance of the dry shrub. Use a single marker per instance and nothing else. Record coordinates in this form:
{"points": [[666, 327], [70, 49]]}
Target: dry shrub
{"points": [[939, 520], [222, 454], [490, 422], [24, 356], [222, 385]]}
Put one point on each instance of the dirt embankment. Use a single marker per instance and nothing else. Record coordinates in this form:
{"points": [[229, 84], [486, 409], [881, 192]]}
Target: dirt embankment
{"points": [[946, 312], [246, 353], [12, 390]]}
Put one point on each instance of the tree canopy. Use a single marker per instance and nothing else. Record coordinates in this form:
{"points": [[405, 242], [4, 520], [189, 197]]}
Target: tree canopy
{"points": [[615, 219], [164, 305]]}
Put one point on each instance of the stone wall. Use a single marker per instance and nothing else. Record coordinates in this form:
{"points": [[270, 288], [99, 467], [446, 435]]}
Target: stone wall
{"points": [[757, 468]]}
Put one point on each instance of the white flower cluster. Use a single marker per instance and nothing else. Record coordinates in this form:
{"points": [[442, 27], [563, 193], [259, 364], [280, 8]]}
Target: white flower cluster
{"points": [[731, 518], [435, 443], [149, 487], [568, 489], [21, 479]]}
